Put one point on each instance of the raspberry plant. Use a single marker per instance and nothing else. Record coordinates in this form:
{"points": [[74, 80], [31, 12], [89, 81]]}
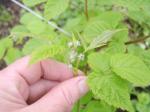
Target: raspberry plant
{"points": [[107, 39]]}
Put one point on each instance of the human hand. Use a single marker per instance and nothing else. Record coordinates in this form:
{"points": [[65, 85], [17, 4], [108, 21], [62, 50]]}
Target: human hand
{"points": [[48, 86]]}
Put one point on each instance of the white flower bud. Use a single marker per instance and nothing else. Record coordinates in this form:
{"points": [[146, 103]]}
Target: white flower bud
{"points": [[70, 44], [73, 55], [77, 44], [81, 56]]}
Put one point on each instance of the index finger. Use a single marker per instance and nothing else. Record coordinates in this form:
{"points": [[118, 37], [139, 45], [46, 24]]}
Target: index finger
{"points": [[47, 69]]}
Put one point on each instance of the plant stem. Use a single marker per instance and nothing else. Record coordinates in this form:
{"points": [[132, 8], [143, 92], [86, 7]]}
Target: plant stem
{"points": [[137, 40], [76, 74], [86, 10], [128, 42], [78, 106]]}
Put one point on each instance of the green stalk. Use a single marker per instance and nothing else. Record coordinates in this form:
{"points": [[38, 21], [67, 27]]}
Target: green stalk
{"points": [[76, 74], [86, 10]]}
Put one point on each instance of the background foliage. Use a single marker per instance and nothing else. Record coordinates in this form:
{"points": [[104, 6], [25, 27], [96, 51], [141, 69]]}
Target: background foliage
{"points": [[107, 39]]}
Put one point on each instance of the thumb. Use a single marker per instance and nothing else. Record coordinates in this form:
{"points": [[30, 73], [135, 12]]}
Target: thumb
{"points": [[62, 98]]}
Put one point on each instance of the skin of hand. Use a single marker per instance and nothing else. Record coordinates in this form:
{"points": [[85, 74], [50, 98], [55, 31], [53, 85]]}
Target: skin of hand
{"points": [[48, 86]]}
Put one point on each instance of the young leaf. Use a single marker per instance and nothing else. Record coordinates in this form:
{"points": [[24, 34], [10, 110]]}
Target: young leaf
{"points": [[47, 51], [111, 89], [102, 39], [54, 8], [131, 68]]}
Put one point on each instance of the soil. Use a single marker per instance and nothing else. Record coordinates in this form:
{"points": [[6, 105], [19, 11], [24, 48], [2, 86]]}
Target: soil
{"points": [[5, 27], [14, 10]]}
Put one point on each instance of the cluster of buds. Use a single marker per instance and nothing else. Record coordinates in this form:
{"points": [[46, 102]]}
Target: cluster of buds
{"points": [[74, 55], [74, 44]]}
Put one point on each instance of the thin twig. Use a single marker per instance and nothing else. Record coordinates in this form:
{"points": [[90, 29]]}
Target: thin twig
{"points": [[40, 17], [86, 10], [127, 43], [137, 40]]}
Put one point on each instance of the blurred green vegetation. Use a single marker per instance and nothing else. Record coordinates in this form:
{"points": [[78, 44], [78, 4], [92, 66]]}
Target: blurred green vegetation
{"points": [[5, 16], [32, 36]]}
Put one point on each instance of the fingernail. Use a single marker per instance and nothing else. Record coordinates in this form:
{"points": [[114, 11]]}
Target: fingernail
{"points": [[83, 86]]}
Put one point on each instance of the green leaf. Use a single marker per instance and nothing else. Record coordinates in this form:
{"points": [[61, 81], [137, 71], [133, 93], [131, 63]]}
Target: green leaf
{"points": [[86, 99], [36, 27], [5, 44], [143, 103], [115, 47], [20, 31], [102, 39], [54, 8], [76, 24], [141, 53], [111, 17], [75, 108], [144, 98], [26, 18], [98, 106], [99, 62], [117, 43], [107, 20], [12, 55], [145, 56], [131, 68], [111, 89], [32, 3], [47, 51], [34, 44], [94, 28]]}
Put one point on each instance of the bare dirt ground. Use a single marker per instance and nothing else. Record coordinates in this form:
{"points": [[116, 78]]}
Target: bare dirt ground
{"points": [[6, 26], [14, 12]]}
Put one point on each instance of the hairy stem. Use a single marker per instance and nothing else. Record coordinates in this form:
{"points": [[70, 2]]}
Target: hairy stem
{"points": [[86, 10]]}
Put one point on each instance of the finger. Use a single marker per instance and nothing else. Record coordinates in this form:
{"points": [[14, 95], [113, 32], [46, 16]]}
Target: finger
{"points": [[61, 98], [48, 69], [39, 89]]}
